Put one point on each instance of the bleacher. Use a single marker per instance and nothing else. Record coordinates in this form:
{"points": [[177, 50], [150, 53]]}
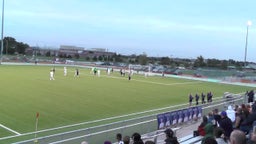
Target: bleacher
{"points": [[184, 132]]}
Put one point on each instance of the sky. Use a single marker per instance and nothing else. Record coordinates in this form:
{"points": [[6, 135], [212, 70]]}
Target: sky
{"points": [[173, 28]]}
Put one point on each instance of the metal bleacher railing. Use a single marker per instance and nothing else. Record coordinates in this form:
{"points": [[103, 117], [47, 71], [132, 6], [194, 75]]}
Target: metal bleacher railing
{"points": [[98, 131]]}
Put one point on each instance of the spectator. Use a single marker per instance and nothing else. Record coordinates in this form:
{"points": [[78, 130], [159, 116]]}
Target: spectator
{"points": [[254, 107], [252, 139], [137, 138], [200, 128], [170, 138], [231, 114], [126, 140], [208, 132], [210, 140], [237, 137], [245, 111], [149, 142], [218, 133], [217, 117], [246, 125], [239, 118], [211, 117], [226, 124], [107, 142], [119, 138], [236, 107], [249, 108]]}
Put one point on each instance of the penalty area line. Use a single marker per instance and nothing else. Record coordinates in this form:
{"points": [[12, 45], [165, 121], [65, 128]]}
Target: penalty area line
{"points": [[13, 131]]}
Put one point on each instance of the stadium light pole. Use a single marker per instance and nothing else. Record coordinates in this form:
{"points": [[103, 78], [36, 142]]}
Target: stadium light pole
{"points": [[249, 23], [2, 35]]}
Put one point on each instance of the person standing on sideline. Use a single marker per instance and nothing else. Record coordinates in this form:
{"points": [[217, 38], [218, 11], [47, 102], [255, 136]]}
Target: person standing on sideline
{"points": [[190, 99], [76, 73], [210, 97], [65, 71], [52, 75], [197, 99], [203, 97]]}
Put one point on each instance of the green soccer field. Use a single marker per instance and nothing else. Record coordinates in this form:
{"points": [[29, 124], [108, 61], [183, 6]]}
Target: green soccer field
{"points": [[26, 90]]}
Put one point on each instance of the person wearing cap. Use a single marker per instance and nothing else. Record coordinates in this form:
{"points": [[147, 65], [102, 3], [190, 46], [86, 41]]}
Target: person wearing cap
{"points": [[170, 138], [226, 124]]}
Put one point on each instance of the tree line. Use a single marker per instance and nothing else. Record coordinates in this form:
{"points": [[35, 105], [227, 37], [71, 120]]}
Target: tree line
{"points": [[11, 47]]}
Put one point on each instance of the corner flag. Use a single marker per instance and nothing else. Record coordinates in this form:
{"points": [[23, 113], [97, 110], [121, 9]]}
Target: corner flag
{"points": [[37, 116]]}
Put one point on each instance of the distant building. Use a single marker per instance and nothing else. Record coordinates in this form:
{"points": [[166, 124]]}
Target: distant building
{"points": [[72, 51], [41, 51]]}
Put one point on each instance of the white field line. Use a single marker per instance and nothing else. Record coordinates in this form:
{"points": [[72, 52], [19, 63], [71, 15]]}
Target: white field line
{"points": [[100, 120], [13, 131], [109, 130], [111, 118]]}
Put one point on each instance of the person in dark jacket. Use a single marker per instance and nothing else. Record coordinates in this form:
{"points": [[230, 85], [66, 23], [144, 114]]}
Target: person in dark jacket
{"points": [[197, 99], [246, 125], [137, 138], [250, 96], [190, 97], [170, 138], [217, 117], [226, 124], [203, 97]]}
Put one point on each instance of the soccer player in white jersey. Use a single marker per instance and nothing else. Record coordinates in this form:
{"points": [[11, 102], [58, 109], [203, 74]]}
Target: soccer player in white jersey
{"points": [[98, 73], [65, 71], [52, 75], [108, 71]]}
